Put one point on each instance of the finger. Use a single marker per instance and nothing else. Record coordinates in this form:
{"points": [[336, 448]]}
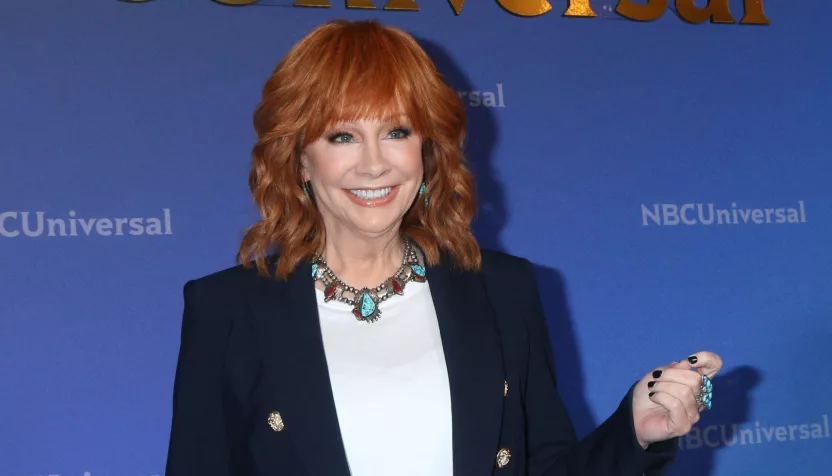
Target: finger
{"points": [[682, 364], [706, 363], [680, 423], [680, 375], [686, 377], [684, 394]]}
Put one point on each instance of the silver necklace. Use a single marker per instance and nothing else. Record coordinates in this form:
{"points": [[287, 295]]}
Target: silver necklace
{"points": [[365, 301]]}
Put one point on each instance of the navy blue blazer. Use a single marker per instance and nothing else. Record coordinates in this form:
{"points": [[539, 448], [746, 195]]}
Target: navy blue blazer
{"points": [[251, 346]]}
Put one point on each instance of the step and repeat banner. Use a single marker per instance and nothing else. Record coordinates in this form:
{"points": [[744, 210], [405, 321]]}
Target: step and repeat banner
{"points": [[663, 163]]}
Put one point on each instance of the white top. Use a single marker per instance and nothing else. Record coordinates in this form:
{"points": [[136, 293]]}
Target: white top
{"points": [[390, 385]]}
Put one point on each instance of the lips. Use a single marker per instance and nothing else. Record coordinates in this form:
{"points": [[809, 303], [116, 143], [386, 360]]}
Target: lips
{"points": [[372, 197]]}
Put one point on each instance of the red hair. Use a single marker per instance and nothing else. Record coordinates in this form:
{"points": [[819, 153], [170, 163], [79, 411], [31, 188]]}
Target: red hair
{"points": [[344, 71]]}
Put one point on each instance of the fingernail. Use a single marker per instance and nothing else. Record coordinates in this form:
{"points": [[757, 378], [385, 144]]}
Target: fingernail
{"points": [[650, 385], [657, 373], [693, 359], [651, 394]]}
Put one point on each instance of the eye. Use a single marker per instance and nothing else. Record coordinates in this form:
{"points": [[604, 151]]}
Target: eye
{"points": [[340, 137], [400, 133]]}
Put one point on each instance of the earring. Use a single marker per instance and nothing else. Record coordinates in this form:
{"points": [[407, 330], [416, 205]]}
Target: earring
{"points": [[305, 187], [422, 191]]}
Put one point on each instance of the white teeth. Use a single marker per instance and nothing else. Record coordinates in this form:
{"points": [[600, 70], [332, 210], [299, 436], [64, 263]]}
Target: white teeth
{"points": [[371, 194]]}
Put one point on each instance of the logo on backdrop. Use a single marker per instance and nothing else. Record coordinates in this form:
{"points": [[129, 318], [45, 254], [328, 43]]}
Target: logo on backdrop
{"points": [[715, 436], [691, 214], [491, 98], [714, 12], [25, 224]]}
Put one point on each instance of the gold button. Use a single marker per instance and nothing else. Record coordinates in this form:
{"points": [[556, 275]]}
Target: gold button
{"points": [[276, 421], [503, 457], [505, 388]]}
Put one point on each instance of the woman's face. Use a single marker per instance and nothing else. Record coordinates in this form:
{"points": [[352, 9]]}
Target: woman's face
{"points": [[364, 175]]}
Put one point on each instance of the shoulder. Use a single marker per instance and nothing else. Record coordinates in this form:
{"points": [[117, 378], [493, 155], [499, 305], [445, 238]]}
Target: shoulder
{"points": [[221, 290], [228, 278], [512, 277], [504, 263], [511, 283]]}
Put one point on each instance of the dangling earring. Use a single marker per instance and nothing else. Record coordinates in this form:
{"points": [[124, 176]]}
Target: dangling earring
{"points": [[305, 186], [422, 191]]}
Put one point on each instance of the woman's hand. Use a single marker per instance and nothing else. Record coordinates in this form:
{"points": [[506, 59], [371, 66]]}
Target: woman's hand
{"points": [[665, 401]]}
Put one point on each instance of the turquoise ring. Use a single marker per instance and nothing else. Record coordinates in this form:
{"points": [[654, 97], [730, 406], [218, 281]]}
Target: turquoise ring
{"points": [[706, 390]]}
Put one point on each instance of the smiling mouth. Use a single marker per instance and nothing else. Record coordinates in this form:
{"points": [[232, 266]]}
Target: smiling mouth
{"points": [[371, 194]]}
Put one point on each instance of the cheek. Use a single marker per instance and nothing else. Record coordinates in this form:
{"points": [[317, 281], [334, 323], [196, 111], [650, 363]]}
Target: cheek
{"points": [[328, 168], [411, 161]]}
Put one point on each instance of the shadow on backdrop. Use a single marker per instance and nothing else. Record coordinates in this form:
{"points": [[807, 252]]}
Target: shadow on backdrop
{"points": [[479, 150], [565, 347], [732, 408], [488, 226]]}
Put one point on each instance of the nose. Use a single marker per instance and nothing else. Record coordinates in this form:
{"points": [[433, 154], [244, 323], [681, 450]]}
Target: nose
{"points": [[373, 164]]}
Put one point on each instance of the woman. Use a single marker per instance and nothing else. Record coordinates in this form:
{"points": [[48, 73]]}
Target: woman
{"points": [[379, 339]]}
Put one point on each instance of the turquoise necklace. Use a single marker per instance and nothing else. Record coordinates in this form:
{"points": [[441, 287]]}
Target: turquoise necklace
{"points": [[365, 301]]}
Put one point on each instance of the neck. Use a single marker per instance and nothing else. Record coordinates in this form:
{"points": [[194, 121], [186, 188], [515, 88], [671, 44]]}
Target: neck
{"points": [[362, 262]]}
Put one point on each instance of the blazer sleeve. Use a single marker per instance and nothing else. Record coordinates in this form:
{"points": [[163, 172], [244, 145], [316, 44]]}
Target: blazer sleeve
{"points": [[612, 449], [198, 438]]}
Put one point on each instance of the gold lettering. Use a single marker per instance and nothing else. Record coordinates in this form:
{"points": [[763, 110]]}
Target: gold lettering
{"points": [[457, 5], [407, 5], [717, 11], [634, 11], [312, 3], [526, 8], [754, 14], [579, 8], [361, 4]]}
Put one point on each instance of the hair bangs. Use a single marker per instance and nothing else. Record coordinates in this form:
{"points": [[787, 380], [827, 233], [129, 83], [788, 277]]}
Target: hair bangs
{"points": [[374, 75]]}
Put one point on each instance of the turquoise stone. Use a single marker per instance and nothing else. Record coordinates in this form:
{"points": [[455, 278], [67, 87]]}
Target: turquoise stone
{"points": [[368, 307], [315, 270], [418, 270]]}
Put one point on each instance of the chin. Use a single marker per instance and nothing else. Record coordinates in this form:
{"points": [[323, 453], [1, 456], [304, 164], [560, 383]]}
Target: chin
{"points": [[374, 225]]}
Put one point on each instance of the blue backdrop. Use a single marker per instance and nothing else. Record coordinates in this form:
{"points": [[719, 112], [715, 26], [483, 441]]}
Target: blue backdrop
{"points": [[669, 180]]}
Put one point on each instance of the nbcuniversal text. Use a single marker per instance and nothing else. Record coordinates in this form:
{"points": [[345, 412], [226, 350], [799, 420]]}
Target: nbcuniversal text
{"points": [[724, 435], [14, 224], [671, 214]]}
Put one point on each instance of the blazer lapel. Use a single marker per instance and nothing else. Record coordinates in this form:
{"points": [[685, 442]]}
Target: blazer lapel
{"points": [[473, 356], [297, 369]]}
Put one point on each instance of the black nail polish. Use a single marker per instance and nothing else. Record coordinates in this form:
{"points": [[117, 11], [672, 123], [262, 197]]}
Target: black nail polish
{"points": [[650, 385], [693, 359], [657, 373], [651, 394]]}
